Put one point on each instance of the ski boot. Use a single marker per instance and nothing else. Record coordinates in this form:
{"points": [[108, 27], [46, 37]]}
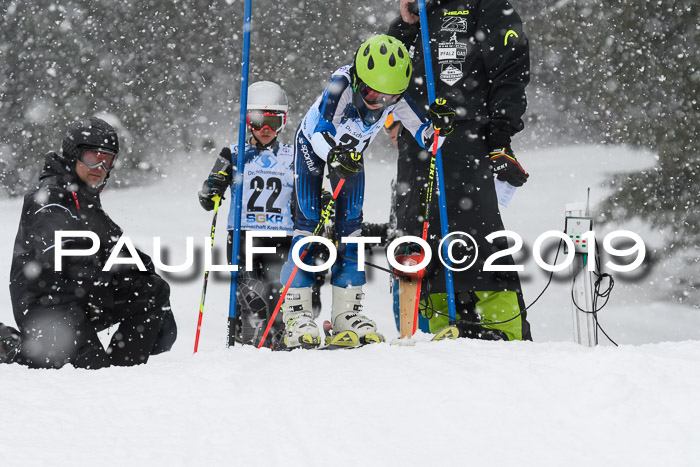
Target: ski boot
{"points": [[253, 310], [346, 315], [9, 343], [300, 328]]}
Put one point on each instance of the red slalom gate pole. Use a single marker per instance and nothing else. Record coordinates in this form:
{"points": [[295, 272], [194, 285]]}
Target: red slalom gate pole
{"points": [[428, 198], [324, 216]]}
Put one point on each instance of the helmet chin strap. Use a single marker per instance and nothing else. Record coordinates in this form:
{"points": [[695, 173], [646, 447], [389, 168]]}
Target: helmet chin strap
{"points": [[353, 76], [368, 116], [260, 145]]}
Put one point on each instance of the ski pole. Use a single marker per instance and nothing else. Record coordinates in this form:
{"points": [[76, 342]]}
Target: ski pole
{"points": [[324, 217], [236, 202], [442, 203], [426, 214], [217, 202]]}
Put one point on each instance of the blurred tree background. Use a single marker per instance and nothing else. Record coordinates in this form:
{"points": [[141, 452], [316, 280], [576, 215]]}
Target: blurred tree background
{"points": [[165, 72], [628, 72]]}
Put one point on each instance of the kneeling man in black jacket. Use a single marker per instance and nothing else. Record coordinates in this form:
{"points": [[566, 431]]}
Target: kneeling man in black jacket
{"points": [[60, 310]]}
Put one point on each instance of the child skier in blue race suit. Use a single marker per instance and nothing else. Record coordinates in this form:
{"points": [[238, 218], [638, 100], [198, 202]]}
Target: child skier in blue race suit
{"points": [[266, 206], [336, 130]]}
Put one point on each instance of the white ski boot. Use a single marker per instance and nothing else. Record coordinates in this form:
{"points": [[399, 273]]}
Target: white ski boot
{"points": [[300, 328], [346, 315]]}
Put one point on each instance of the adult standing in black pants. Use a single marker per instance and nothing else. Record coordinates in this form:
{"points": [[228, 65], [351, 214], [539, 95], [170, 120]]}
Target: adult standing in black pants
{"points": [[481, 64]]}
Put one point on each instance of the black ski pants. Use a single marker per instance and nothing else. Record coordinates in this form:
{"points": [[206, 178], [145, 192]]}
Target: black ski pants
{"points": [[67, 333], [259, 289], [471, 205]]}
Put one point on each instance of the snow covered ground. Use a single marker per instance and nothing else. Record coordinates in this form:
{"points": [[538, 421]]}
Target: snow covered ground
{"points": [[545, 403]]}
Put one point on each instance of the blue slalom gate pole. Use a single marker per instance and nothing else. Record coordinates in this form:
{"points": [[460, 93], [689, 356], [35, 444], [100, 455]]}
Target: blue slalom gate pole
{"points": [[442, 204], [237, 202]]}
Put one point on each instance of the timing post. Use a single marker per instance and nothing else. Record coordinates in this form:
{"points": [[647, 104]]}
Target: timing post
{"points": [[578, 223]]}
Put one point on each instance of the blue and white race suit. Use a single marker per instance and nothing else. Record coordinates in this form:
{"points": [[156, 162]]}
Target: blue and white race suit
{"points": [[268, 181], [331, 121]]}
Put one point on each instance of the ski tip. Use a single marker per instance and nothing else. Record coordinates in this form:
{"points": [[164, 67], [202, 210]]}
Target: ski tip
{"points": [[376, 338], [450, 332], [344, 339]]}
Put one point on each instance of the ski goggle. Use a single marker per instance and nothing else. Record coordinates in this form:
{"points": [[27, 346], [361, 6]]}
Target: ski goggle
{"points": [[372, 97], [93, 158], [258, 120]]}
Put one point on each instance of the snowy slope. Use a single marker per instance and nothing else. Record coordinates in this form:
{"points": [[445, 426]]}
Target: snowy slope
{"points": [[452, 403]]}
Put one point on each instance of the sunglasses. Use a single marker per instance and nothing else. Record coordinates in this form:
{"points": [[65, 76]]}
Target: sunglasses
{"points": [[372, 97], [94, 158], [259, 120]]}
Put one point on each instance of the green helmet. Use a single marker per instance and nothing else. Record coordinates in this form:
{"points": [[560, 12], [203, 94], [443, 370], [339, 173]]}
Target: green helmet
{"points": [[382, 63]]}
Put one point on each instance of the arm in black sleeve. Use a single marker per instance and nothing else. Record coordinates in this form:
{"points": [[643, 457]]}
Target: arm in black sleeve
{"points": [[506, 57], [403, 31], [224, 163], [40, 224], [78, 274], [148, 262]]}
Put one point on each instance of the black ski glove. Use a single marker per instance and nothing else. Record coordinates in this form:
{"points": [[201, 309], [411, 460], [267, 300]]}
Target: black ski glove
{"points": [[442, 116], [345, 162], [218, 181], [215, 185], [506, 167]]}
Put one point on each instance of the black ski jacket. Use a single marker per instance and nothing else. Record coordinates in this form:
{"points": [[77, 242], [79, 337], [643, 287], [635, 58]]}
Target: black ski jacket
{"points": [[60, 201], [481, 62]]}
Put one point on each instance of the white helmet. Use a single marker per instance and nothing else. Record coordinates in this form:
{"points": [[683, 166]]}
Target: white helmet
{"points": [[267, 96]]}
